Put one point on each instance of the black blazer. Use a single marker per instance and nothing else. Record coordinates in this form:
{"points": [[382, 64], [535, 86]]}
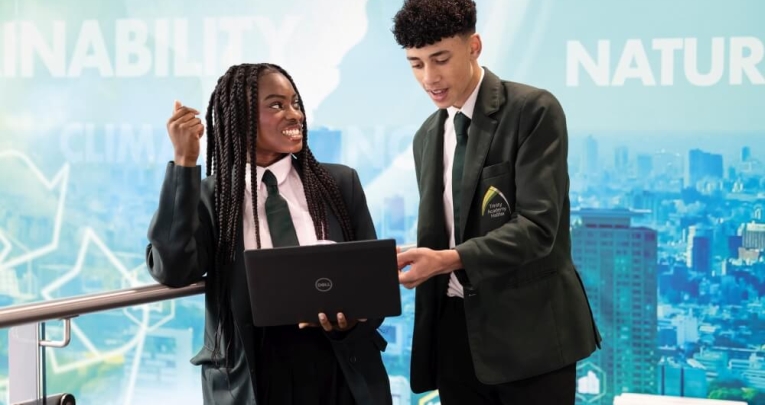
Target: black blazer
{"points": [[525, 305], [182, 239]]}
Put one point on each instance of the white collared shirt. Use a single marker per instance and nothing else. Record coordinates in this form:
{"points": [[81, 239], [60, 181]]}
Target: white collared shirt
{"points": [[291, 188], [450, 142]]}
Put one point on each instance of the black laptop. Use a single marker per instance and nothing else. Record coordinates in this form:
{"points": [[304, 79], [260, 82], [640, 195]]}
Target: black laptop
{"points": [[289, 285]]}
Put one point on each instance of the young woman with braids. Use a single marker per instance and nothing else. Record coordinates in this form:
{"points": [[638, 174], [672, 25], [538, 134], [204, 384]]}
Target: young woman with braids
{"points": [[255, 115]]}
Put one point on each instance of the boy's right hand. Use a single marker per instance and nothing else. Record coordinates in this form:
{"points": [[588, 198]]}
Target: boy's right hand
{"points": [[185, 131]]}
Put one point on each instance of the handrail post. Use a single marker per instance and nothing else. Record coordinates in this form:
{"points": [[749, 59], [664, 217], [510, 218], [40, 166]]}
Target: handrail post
{"points": [[26, 361], [26, 377], [25, 368]]}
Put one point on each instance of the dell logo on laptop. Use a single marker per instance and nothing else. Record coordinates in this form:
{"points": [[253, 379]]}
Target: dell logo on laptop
{"points": [[323, 284]]}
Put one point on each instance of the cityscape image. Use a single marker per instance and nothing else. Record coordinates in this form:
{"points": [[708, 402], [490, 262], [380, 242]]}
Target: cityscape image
{"points": [[666, 165]]}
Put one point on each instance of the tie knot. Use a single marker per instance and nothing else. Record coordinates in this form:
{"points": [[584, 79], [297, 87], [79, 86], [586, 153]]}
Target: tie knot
{"points": [[270, 181], [461, 124]]}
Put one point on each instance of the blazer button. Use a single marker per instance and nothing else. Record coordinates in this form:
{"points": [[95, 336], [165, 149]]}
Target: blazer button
{"points": [[353, 359]]}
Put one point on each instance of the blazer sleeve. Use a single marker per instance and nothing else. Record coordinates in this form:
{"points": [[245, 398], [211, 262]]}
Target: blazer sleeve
{"points": [[364, 228], [542, 183], [180, 246]]}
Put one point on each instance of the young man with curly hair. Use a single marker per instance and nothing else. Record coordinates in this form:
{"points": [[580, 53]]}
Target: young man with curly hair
{"points": [[501, 315]]}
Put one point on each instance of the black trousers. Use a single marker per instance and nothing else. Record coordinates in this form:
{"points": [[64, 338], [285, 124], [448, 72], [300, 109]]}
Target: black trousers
{"points": [[299, 367], [458, 385]]}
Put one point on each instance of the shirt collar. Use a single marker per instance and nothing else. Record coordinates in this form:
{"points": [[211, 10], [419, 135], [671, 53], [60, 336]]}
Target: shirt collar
{"points": [[281, 170], [469, 106]]}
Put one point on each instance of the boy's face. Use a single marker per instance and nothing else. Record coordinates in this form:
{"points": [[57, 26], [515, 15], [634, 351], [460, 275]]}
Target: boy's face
{"points": [[446, 69]]}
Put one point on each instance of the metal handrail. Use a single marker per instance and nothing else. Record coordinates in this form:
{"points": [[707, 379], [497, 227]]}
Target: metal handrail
{"points": [[65, 308]]}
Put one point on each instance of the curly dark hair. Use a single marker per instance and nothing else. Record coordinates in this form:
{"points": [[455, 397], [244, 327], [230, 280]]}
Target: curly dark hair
{"points": [[424, 22]]}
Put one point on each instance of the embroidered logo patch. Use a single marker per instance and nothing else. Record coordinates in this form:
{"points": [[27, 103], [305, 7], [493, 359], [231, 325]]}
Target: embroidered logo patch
{"points": [[494, 203]]}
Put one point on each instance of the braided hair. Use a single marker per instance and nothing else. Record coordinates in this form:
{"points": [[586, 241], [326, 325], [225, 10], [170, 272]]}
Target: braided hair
{"points": [[232, 131]]}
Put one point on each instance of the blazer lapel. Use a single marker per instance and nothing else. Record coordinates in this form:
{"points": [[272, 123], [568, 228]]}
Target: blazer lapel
{"points": [[480, 136], [432, 184], [432, 230]]}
